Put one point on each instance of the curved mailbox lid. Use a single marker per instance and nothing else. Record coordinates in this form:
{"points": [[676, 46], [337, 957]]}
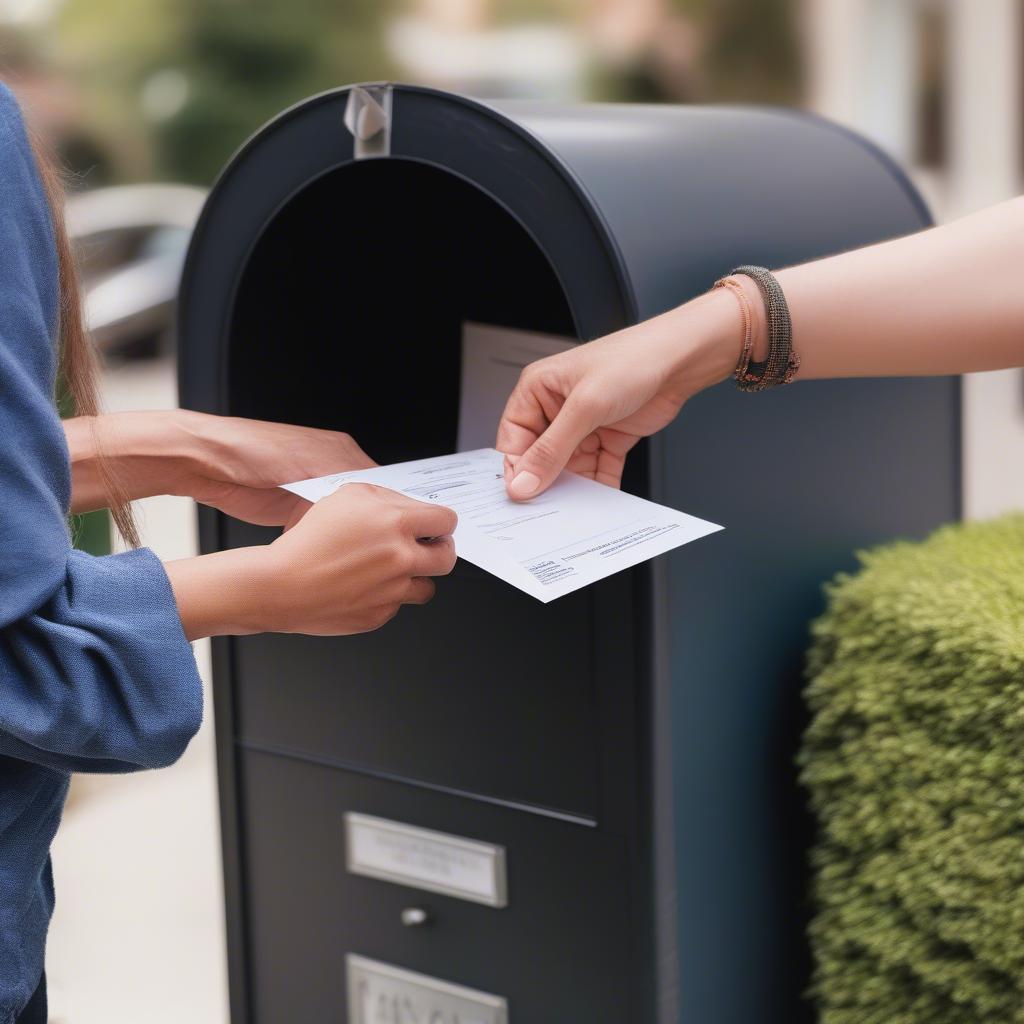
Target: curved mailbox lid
{"points": [[458, 135], [611, 193], [673, 184]]}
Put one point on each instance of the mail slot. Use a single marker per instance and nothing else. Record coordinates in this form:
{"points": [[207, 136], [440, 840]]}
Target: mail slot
{"points": [[583, 812]]}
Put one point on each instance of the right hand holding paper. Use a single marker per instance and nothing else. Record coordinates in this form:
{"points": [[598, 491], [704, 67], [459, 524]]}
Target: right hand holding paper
{"points": [[574, 534]]}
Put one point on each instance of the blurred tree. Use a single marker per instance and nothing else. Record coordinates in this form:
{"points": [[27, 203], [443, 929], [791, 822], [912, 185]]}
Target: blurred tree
{"points": [[697, 51], [518, 11], [189, 80], [245, 61], [751, 50], [109, 48], [172, 87]]}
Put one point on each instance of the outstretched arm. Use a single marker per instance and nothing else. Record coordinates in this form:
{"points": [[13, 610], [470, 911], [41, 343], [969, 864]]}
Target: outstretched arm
{"points": [[947, 300], [939, 302], [230, 463]]}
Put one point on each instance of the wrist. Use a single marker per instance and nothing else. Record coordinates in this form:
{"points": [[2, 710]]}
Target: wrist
{"points": [[227, 593], [703, 341], [703, 338]]}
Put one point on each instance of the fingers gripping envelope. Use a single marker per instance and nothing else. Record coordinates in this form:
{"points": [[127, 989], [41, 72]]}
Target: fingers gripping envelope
{"points": [[575, 533]]}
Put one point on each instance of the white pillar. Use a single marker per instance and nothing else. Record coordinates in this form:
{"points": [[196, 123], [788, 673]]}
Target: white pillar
{"points": [[984, 101], [985, 78], [890, 76], [862, 67], [833, 44]]}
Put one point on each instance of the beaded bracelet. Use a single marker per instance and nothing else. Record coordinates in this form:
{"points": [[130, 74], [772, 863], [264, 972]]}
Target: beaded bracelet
{"points": [[782, 363], [747, 321]]}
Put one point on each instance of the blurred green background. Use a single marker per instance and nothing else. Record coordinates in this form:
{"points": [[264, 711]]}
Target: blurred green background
{"points": [[157, 94], [167, 89]]}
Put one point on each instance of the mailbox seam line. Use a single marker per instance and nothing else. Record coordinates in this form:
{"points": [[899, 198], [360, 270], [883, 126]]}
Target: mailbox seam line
{"points": [[436, 787]]}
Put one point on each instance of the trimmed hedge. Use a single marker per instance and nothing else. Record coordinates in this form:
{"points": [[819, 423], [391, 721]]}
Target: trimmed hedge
{"points": [[914, 760]]}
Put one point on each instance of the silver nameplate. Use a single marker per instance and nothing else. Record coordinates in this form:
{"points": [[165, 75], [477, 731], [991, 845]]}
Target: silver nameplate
{"points": [[424, 859], [381, 994]]}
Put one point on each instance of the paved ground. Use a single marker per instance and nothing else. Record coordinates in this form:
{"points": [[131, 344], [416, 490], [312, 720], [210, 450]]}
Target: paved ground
{"points": [[138, 933]]}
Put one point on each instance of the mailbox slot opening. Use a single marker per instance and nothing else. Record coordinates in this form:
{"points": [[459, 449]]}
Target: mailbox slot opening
{"points": [[348, 315], [350, 309]]}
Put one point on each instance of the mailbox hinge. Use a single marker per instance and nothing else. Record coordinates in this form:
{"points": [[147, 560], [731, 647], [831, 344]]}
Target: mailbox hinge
{"points": [[368, 118]]}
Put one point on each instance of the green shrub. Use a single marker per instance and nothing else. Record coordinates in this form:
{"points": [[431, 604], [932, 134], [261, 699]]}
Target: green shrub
{"points": [[914, 760]]}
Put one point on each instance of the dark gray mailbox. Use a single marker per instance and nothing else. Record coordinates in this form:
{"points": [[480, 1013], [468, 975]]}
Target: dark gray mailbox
{"points": [[497, 810]]}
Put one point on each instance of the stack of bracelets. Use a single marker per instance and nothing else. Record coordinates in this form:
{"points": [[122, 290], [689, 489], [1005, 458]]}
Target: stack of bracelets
{"points": [[782, 363]]}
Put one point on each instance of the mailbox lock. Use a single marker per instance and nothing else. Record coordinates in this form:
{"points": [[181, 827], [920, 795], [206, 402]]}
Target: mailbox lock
{"points": [[413, 917], [368, 118]]}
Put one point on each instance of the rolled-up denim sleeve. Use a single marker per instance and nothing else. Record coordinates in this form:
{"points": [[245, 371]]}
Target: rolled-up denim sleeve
{"points": [[101, 677], [96, 673]]}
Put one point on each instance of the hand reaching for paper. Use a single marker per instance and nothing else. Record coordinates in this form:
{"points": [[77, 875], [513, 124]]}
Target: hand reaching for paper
{"points": [[255, 457], [232, 464], [584, 409]]}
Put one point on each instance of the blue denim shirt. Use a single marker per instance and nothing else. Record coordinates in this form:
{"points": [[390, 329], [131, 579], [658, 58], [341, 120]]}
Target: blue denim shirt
{"points": [[96, 674]]}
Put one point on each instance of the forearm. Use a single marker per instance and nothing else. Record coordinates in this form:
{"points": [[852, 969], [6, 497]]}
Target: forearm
{"points": [[944, 301], [224, 593], [132, 455]]}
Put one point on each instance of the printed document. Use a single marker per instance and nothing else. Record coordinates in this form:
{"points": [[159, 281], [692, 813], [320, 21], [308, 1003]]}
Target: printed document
{"points": [[575, 533], [492, 359]]}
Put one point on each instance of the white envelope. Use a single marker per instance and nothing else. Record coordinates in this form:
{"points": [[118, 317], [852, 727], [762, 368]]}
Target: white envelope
{"points": [[575, 533]]}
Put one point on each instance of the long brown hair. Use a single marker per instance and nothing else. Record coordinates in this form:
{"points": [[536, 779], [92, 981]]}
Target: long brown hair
{"points": [[78, 364]]}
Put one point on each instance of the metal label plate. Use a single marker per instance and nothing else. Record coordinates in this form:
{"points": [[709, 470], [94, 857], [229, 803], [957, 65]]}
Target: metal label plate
{"points": [[381, 994], [425, 859]]}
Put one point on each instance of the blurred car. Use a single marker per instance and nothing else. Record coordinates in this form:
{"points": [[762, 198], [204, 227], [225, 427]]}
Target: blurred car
{"points": [[130, 242]]}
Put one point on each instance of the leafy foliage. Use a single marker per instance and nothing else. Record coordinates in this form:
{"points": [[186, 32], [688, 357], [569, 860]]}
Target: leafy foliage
{"points": [[751, 51], [914, 761], [243, 61], [247, 61]]}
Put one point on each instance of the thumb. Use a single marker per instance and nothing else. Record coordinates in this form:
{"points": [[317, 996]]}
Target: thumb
{"points": [[537, 468]]}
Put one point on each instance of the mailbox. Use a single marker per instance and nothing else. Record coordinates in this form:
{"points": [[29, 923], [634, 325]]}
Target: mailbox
{"points": [[496, 810]]}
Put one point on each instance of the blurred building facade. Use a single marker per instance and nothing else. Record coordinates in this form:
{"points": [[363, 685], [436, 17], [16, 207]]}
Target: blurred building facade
{"points": [[142, 90], [939, 84], [171, 90]]}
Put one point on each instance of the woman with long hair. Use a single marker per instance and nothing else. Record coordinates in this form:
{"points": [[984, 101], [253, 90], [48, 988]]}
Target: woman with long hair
{"points": [[96, 670]]}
